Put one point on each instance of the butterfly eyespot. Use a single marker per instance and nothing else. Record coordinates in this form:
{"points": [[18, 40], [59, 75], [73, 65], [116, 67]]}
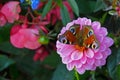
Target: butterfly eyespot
{"points": [[94, 45], [72, 30], [90, 33], [88, 46], [62, 39]]}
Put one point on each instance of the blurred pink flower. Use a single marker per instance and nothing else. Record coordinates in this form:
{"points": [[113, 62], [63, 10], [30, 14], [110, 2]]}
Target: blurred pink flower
{"points": [[0, 5], [3, 19], [23, 37], [89, 58], [11, 10], [118, 10], [41, 54], [54, 14], [41, 24]]}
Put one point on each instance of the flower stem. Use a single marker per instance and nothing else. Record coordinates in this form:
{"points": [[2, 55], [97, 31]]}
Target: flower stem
{"points": [[93, 75], [76, 75]]}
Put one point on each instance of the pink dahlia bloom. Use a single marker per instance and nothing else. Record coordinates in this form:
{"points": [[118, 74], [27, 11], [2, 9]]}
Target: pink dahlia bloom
{"points": [[22, 37], [11, 10], [89, 58]]}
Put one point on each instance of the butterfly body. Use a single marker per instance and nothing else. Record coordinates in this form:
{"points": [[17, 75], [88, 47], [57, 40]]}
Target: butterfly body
{"points": [[83, 38]]}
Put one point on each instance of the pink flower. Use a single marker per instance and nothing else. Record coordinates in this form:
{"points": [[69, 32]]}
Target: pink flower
{"points": [[54, 14], [86, 59], [3, 19], [0, 6], [23, 37], [118, 10], [11, 10], [69, 9], [41, 54], [41, 24]]}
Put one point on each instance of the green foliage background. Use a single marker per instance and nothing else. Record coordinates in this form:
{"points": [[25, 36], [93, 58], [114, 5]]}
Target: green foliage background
{"points": [[18, 64]]}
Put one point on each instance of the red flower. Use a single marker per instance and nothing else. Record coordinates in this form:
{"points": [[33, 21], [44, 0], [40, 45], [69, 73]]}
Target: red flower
{"points": [[54, 14], [23, 37], [118, 10], [40, 54], [3, 19], [40, 24], [0, 6], [11, 10]]}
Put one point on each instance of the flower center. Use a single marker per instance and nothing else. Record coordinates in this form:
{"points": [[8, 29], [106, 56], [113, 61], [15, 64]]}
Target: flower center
{"points": [[80, 48]]}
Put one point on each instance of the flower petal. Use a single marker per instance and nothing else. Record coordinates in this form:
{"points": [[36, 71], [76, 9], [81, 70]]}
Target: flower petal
{"points": [[103, 62], [97, 62], [70, 66], [76, 55], [93, 67], [78, 64], [90, 61], [66, 60], [66, 50], [11, 10], [87, 66], [69, 25], [77, 21], [103, 31], [85, 21], [98, 55], [102, 48], [106, 53], [108, 41], [80, 70], [83, 59], [63, 30], [99, 37], [95, 25], [89, 53]]}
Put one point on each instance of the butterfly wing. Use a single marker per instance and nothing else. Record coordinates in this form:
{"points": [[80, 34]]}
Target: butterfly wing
{"points": [[90, 40], [70, 36]]}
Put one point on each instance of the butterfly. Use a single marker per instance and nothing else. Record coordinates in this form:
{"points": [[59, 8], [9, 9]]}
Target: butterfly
{"points": [[83, 38]]}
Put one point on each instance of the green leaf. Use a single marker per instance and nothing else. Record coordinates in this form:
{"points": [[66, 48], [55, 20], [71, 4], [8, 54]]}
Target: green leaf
{"points": [[118, 56], [112, 62], [26, 64], [99, 5], [5, 33], [102, 20], [14, 72], [118, 72], [85, 75], [52, 60], [93, 18], [62, 73], [65, 15], [9, 48], [86, 7], [59, 2], [47, 8], [34, 70], [5, 62], [74, 6], [2, 78]]}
